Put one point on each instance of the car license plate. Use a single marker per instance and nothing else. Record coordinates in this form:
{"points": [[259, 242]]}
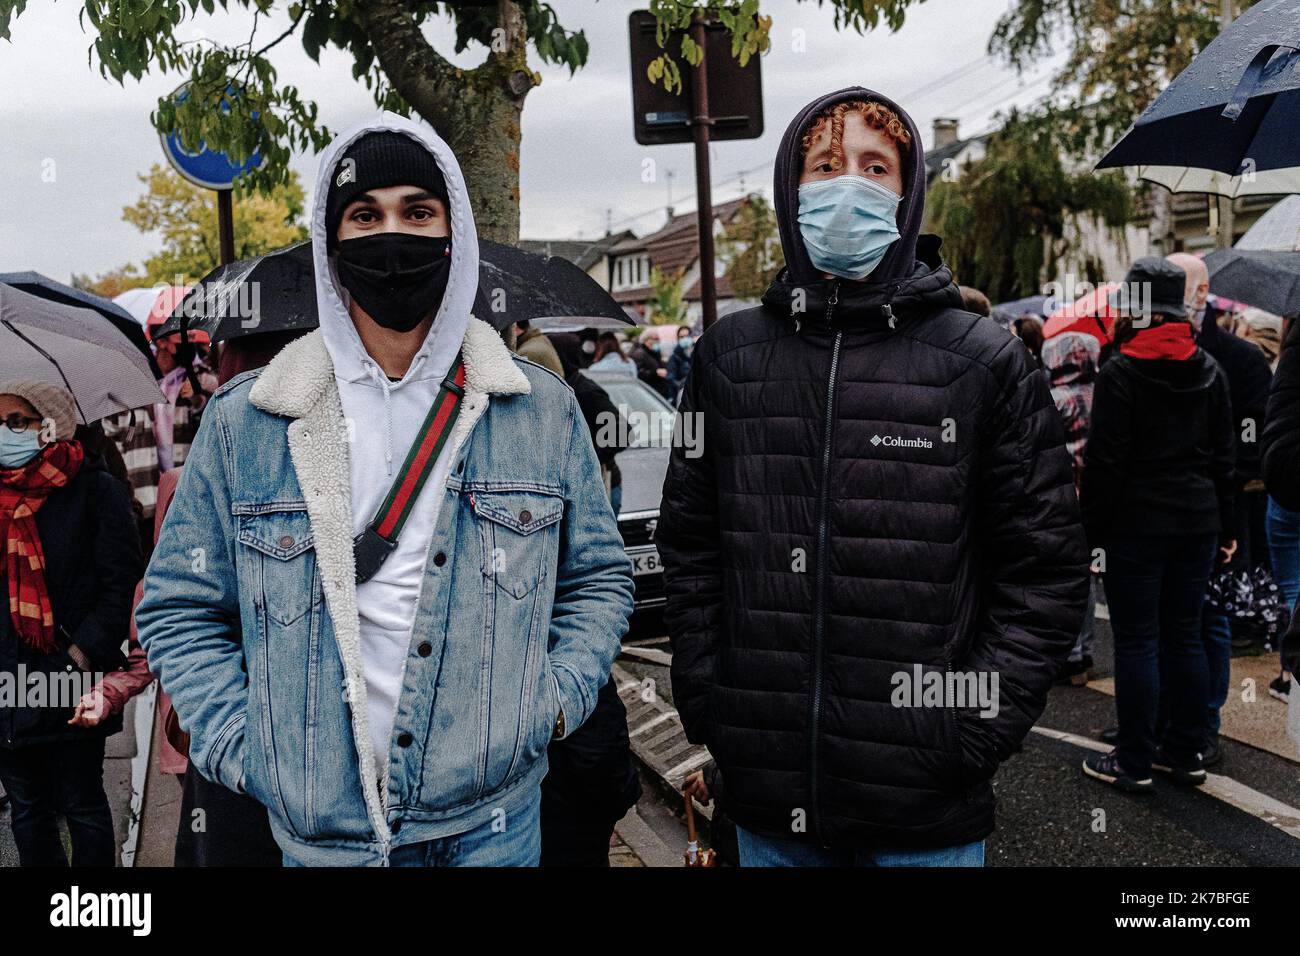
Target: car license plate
{"points": [[645, 560]]}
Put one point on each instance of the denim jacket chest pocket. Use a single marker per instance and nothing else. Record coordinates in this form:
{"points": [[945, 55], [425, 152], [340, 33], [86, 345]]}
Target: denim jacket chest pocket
{"points": [[512, 527], [279, 560]]}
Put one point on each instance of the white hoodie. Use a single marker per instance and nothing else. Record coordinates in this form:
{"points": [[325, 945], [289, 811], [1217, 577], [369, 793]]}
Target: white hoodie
{"points": [[384, 417]]}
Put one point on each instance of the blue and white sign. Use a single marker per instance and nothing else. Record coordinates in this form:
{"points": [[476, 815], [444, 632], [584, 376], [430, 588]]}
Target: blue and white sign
{"points": [[206, 167]]}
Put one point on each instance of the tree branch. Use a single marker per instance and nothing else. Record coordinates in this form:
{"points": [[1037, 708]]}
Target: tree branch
{"points": [[419, 73]]}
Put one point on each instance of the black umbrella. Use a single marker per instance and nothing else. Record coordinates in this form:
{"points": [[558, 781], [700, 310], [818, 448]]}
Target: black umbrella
{"points": [[518, 286], [1266, 280], [1227, 123], [276, 292], [33, 283]]}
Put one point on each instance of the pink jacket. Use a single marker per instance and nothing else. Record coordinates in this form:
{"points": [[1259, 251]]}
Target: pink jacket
{"points": [[120, 686]]}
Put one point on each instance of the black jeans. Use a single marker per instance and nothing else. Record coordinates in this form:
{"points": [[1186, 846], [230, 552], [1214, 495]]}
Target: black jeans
{"points": [[219, 827], [1155, 588], [46, 780]]}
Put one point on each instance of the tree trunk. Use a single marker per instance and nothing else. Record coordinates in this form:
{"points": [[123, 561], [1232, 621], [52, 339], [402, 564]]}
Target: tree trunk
{"points": [[476, 111]]}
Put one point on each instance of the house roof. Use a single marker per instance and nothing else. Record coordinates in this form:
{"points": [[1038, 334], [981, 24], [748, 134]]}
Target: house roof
{"points": [[584, 253], [935, 158], [674, 247]]}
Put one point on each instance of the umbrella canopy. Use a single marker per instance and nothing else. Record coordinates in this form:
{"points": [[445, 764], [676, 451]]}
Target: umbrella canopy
{"points": [[67, 346], [138, 302], [160, 311], [1233, 112], [276, 292], [46, 288], [518, 286], [1278, 229], [1266, 280], [1039, 305], [1093, 313]]}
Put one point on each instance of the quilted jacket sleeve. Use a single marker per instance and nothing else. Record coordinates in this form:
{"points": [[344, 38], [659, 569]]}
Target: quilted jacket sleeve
{"points": [[690, 548], [1032, 546], [1281, 437]]}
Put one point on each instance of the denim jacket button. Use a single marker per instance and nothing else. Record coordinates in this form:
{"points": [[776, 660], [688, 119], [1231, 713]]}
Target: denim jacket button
{"points": [[525, 516], [286, 541], [404, 739], [439, 559], [425, 649]]}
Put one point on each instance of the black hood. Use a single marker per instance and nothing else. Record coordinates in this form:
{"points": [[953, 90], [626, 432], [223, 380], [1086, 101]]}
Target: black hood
{"points": [[899, 262]]}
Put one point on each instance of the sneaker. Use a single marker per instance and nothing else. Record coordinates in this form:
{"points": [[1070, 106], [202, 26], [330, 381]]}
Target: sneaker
{"points": [[1109, 736], [1189, 774], [1074, 673], [1280, 687], [1105, 767], [1212, 756]]}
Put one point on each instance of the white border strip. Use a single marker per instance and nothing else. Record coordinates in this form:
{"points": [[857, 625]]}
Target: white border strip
{"points": [[1230, 791], [145, 703]]}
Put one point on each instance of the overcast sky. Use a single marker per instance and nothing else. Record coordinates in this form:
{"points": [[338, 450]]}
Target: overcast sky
{"points": [[580, 163]]}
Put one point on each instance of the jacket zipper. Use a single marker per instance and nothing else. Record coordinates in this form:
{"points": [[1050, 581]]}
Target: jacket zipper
{"points": [[819, 595]]}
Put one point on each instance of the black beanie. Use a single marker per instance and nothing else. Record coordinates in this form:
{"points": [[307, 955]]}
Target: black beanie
{"points": [[377, 160]]}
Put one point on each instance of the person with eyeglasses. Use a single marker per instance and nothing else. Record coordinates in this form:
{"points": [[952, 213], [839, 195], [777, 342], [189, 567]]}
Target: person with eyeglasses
{"points": [[70, 566]]}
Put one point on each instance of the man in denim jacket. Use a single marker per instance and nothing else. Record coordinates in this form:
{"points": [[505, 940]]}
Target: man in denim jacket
{"points": [[403, 720]]}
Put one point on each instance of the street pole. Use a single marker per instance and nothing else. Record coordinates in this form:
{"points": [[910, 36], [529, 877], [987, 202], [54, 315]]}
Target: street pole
{"points": [[700, 123], [226, 226], [1226, 224]]}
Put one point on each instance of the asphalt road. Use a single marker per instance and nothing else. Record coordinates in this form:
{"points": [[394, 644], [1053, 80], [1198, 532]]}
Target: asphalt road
{"points": [[1049, 814]]}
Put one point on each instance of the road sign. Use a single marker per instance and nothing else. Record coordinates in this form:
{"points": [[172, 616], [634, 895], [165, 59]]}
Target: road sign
{"points": [[203, 167], [719, 99], [735, 92]]}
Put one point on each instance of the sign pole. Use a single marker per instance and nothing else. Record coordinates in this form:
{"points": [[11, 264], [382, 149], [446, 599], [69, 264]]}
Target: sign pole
{"points": [[226, 226], [700, 123]]}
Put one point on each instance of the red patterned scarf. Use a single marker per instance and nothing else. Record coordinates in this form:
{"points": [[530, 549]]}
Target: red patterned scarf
{"points": [[1169, 340], [22, 492]]}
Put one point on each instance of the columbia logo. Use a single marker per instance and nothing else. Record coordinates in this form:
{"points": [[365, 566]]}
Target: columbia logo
{"points": [[897, 441]]}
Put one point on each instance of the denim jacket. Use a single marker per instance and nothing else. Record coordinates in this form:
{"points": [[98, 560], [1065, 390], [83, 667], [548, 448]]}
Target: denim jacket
{"points": [[249, 614]]}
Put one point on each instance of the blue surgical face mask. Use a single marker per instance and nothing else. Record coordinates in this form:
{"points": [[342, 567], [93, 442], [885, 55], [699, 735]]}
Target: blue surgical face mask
{"points": [[18, 448], [848, 224]]}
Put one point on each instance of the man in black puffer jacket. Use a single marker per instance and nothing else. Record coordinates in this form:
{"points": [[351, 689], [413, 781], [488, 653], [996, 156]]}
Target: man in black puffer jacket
{"points": [[883, 500]]}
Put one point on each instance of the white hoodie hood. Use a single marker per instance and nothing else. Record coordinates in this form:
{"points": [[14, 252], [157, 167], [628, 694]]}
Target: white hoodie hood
{"points": [[383, 419], [352, 364]]}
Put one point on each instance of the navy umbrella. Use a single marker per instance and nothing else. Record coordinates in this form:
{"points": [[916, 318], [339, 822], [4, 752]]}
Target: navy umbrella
{"points": [[1227, 124], [276, 292], [46, 288], [1264, 279]]}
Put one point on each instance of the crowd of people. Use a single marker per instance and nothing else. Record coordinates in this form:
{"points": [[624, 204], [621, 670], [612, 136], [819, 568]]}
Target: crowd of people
{"points": [[377, 572]]}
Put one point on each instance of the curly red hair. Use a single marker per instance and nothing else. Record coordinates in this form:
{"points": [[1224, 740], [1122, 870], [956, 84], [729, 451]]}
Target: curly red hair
{"points": [[875, 115]]}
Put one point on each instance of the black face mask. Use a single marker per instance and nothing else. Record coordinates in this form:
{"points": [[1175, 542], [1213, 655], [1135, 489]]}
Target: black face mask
{"points": [[397, 277]]}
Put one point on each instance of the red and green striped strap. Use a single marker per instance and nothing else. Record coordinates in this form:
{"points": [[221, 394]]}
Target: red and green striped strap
{"points": [[428, 445]]}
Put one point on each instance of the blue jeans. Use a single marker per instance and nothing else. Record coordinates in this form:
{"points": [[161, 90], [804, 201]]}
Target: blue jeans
{"points": [[507, 839], [1217, 633], [1155, 588], [1083, 643], [1284, 550], [756, 850]]}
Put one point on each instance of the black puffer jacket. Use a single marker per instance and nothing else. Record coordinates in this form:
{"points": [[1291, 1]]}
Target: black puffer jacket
{"points": [[92, 565], [871, 495]]}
